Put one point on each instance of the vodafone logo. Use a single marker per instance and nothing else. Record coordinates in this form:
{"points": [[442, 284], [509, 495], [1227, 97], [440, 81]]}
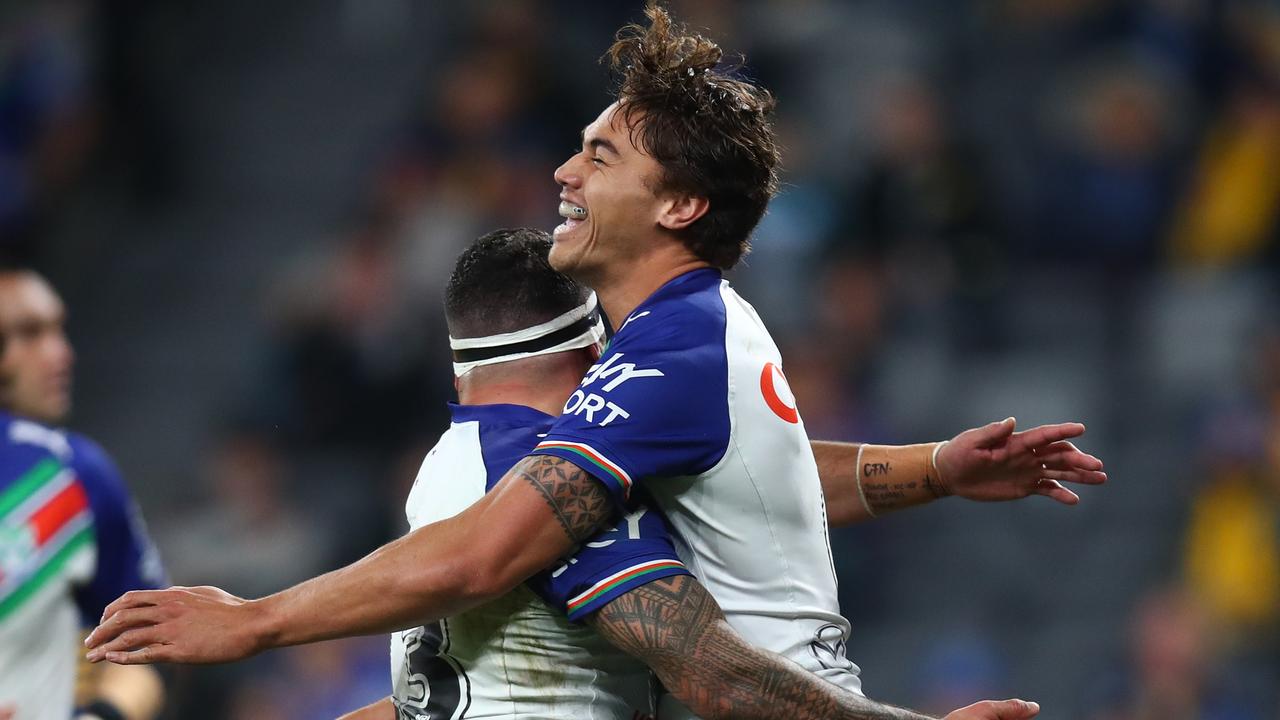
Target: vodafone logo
{"points": [[777, 394]]}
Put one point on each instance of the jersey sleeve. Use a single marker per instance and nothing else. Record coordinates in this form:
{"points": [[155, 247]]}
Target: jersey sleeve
{"points": [[655, 405], [614, 562], [127, 559]]}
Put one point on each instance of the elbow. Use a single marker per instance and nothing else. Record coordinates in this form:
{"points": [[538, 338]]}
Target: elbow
{"points": [[480, 576]]}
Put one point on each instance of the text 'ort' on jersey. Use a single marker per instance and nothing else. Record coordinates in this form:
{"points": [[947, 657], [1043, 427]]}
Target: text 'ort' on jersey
{"points": [[689, 401], [522, 655]]}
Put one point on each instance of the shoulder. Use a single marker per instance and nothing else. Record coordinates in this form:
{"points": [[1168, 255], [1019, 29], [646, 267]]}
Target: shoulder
{"points": [[694, 317], [91, 461], [21, 433], [106, 488]]}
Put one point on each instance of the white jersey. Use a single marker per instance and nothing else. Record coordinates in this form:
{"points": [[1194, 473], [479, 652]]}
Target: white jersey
{"points": [[70, 543], [522, 656], [689, 406]]}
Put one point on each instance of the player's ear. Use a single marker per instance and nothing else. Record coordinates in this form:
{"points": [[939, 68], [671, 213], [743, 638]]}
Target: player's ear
{"points": [[680, 210]]}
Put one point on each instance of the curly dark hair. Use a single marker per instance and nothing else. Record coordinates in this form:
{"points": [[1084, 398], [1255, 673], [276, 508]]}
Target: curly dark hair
{"points": [[710, 131], [503, 283]]}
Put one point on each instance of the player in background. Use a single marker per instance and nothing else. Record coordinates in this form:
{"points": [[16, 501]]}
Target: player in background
{"points": [[688, 402], [70, 537], [523, 336]]}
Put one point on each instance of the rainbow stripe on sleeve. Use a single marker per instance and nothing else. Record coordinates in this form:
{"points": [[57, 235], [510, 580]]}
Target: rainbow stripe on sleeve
{"points": [[595, 459], [613, 581]]}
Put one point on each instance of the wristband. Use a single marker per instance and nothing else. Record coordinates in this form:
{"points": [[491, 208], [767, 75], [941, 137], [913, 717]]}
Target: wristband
{"points": [[100, 710], [901, 475], [938, 488], [857, 478]]}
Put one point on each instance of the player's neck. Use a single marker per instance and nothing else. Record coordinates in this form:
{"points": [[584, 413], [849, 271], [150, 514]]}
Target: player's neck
{"points": [[516, 393], [542, 383], [621, 295]]}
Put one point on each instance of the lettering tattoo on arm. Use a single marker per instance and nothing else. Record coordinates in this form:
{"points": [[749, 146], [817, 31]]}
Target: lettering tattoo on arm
{"points": [[579, 501], [678, 629], [887, 495]]}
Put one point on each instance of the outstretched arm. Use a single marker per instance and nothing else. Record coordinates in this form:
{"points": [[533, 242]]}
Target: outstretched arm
{"points": [[990, 463], [678, 629], [535, 515], [381, 710]]}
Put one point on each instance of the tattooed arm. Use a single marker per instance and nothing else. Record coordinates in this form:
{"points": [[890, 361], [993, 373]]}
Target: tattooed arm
{"points": [[678, 629], [535, 515], [990, 463]]}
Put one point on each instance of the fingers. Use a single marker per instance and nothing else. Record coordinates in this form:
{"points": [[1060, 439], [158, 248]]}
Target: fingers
{"points": [[992, 434], [141, 656], [135, 598], [1073, 475], [1016, 709], [1055, 490], [123, 620], [125, 642], [1070, 460], [997, 710], [1045, 434]]}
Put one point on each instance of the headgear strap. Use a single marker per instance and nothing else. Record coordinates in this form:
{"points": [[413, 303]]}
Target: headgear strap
{"points": [[578, 328]]}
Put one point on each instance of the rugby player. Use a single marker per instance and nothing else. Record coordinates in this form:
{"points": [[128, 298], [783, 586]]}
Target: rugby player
{"points": [[71, 539], [688, 402], [523, 336]]}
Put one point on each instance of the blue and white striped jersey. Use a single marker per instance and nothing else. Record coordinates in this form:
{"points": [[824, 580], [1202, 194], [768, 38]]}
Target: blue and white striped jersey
{"points": [[689, 403], [523, 655]]}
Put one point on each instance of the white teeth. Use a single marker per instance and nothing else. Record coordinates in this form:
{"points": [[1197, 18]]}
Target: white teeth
{"points": [[571, 211]]}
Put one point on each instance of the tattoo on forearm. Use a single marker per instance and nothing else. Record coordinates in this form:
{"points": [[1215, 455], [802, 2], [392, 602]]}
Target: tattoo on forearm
{"points": [[579, 502], [935, 487], [677, 628], [887, 495]]}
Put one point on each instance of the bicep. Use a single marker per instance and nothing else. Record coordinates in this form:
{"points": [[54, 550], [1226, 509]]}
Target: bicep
{"points": [[537, 513]]}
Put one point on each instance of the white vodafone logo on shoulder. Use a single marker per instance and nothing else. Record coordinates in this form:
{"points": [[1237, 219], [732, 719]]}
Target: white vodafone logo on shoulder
{"points": [[777, 393]]}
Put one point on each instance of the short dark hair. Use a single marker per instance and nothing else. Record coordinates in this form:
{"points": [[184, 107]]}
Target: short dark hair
{"points": [[711, 132], [504, 283]]}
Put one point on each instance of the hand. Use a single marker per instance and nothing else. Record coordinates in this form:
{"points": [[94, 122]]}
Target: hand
{"points": [[996, 710], [993, 463], [7, 712], [181, 624]]}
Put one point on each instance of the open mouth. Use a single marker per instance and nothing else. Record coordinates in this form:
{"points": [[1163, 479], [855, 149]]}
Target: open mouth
{"points": [[574, 216]]}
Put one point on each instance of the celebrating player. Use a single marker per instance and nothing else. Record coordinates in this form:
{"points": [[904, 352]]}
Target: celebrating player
{"points": [[688, 403], [70, 538], [523, 336]]}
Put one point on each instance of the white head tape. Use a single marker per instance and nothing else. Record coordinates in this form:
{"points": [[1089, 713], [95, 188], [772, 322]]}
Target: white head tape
{"points": [[580, 327]]}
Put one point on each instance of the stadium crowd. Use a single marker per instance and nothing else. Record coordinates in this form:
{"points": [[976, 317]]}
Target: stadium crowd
{"points": [[1070, 210]]}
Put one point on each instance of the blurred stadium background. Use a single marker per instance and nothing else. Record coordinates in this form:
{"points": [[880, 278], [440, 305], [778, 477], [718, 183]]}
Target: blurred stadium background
{"points": [[1057, 209]]}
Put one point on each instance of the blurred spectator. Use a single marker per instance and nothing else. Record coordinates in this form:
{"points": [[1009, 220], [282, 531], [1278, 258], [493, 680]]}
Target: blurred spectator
{"points": [[1108, 171], [249, 534], [1175, 672], [45, 114], [921, 186], [1232, 559], [349, 367], [1233, 539], [1231, 214]]}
